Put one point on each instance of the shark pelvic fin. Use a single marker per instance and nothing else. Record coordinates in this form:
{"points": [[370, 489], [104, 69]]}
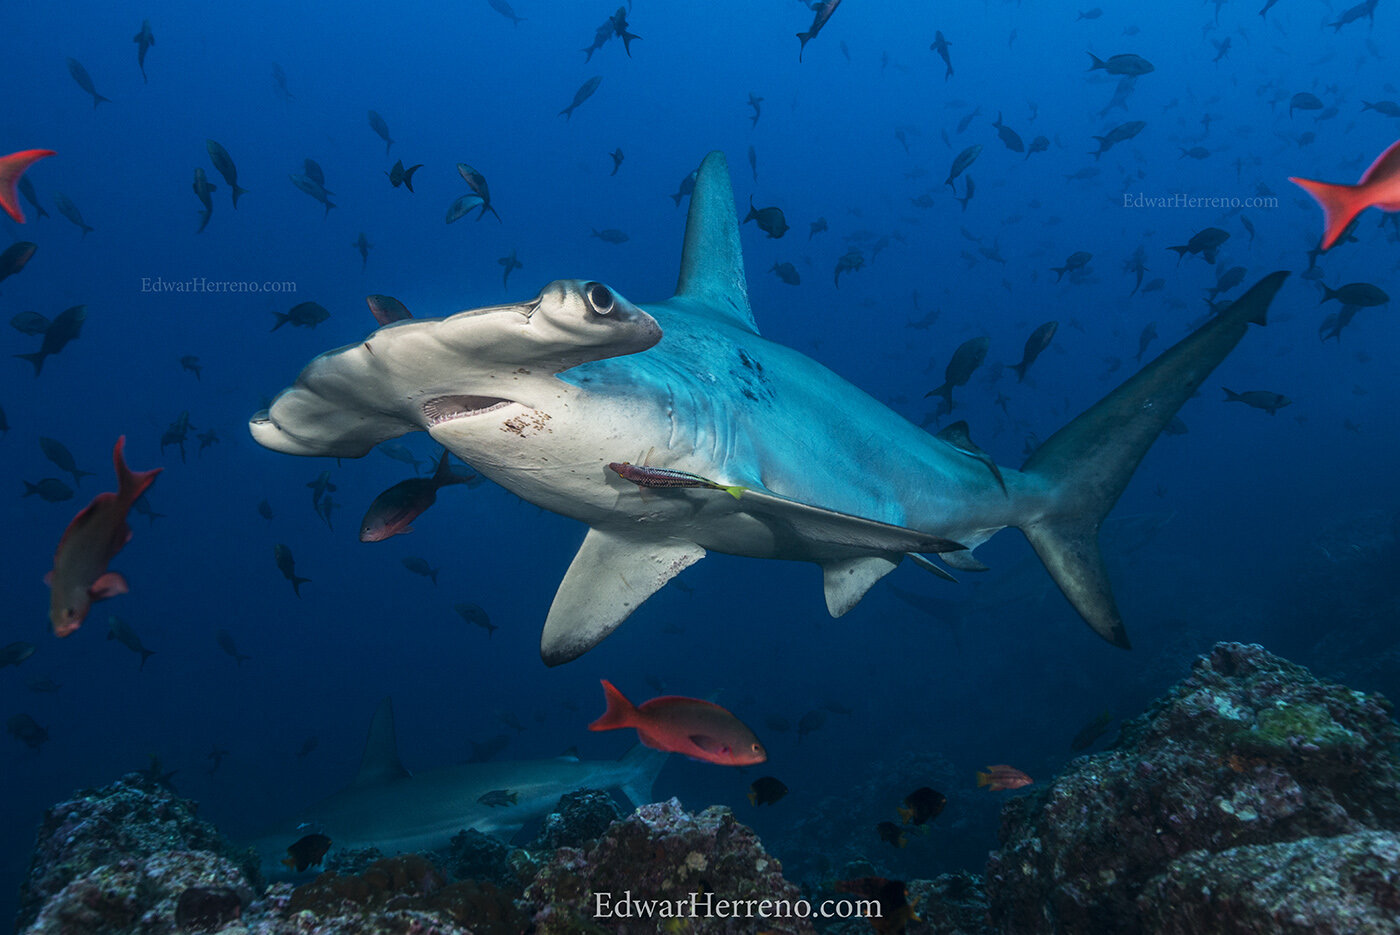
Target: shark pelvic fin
{"points": [[847, 580], [1087, 464], [610, 577], [712, 261], [380, 762]]}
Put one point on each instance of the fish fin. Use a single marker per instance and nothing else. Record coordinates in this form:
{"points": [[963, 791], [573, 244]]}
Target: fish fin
{"points": [[37, 359], [1340, 205], [11, 168], [130, 484], [620, 712], [380, 762], [108, 585], [963, 560], [712, 261], [48, 578], [609, 578], [644, 764], [707, 743], [846, 581], [1086, 465], [929, 566], [841, 530]]}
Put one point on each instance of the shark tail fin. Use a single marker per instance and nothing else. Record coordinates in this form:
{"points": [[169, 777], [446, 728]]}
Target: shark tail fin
{"points": [[644, 764], [1086, 465]]}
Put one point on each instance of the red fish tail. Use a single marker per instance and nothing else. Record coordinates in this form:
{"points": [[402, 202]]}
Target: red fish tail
{"points": [[130, 484], [1340, 205], [11, 168], [620, 713]]}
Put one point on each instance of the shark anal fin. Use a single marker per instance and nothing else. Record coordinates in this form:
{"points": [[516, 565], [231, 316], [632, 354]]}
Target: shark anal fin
{"points": [[846, 581], [609, 578], [963, 560]]}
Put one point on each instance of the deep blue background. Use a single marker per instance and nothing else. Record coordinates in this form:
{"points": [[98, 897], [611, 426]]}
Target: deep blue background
{"points": [[1250, 496]]}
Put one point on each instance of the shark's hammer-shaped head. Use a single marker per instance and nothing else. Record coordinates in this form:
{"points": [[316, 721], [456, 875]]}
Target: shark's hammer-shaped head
{"points": [[419, 373]]}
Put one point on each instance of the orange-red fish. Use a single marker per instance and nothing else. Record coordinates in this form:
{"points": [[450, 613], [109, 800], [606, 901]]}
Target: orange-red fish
{"points": [[94, 537], [11, 168], [1002, 777], [1379, 188], [394, 510], [699, 729]]}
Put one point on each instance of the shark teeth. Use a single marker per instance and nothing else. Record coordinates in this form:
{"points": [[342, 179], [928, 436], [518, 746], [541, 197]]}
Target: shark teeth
{"points": [[441, 409]]}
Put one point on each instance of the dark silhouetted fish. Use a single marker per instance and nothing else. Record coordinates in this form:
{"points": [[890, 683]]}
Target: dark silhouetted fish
{"points": [[377, 124], [63, 329], [70, 211], [966, 359], [823, 14], [144, 40], [84, 80], [15, 257], [1038, 341], [202, 189], [223, 164], [584, 92]]}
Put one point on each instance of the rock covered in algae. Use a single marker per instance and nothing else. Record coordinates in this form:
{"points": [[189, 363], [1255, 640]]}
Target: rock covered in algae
{"points": [[1248, 751], [661, 852]]}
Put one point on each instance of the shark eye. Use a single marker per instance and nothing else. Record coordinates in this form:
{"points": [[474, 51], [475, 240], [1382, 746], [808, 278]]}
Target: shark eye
{"points": [[600, 297]]}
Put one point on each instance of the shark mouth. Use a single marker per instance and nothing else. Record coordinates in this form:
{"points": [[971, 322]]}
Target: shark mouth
{"points": [[441, 409]]}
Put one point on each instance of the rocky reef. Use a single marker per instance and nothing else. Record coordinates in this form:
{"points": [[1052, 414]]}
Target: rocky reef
{"points": [[1252, 798]]}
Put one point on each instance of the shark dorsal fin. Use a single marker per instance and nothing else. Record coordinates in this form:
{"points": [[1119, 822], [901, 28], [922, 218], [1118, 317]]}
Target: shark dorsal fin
{"points": [[712, 261], [380, 763]]}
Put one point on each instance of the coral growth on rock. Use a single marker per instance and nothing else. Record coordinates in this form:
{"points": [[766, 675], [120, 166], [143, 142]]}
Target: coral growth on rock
{"points": [[662, 852], [134, 818], [1250, 750]]}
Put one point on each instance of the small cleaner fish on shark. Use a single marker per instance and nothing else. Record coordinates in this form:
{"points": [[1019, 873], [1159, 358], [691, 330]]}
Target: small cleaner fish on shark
{"points": [[758, 450]]}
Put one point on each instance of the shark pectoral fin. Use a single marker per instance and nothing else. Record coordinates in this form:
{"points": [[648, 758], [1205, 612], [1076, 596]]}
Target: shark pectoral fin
{"points": [[849, 533], [847, 580], [612, 574]]}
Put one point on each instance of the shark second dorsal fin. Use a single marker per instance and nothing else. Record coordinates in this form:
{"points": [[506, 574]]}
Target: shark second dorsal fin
{"points": [[712, 261], [380, 763]]}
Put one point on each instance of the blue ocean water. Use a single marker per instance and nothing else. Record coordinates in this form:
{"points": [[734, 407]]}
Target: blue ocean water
{"points": [[1235, 510]]}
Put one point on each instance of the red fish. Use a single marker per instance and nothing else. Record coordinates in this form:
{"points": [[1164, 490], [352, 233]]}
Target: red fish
{"points": [[393, 510], [11, 168], [699, 729], [1379, 188], [1002, 777], [93, 539]]}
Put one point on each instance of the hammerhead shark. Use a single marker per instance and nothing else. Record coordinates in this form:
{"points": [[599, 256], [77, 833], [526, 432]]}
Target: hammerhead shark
{"points": [[388, 808], [721, 440]]}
